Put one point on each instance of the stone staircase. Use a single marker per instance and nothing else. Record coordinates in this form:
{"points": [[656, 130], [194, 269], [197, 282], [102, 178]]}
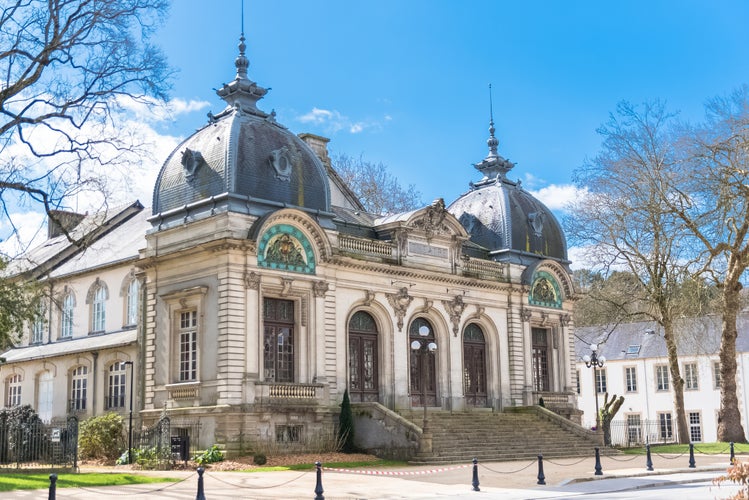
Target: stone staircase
{"points": [[514, 434]]}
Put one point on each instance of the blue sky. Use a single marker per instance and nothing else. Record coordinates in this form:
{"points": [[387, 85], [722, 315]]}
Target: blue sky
{"points": [[406, 82]]}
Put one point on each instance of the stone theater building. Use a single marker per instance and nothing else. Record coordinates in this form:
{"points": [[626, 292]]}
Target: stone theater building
{"points": [[257, 289]]}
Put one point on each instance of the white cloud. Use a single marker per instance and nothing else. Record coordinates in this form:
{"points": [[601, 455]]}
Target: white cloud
{"points": [[333, 121], [152, 111], [558, 196], [31, 230]]}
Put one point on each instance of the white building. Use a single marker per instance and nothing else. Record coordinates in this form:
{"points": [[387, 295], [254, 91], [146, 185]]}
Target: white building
{"points": [[262, 290], [636, 367]]}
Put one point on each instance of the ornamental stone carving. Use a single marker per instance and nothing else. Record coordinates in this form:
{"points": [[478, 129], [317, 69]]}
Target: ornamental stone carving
{"points": [[400, 302], [286, 286], [252, 280], [432, 221], [369, 297], [320, 288], [455, 309], [191, 162]]}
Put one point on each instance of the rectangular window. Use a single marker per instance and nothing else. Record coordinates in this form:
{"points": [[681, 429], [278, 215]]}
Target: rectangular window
{"points": [[661, 378], [634, 428], [14, 391], [695, 426], [691, 381], [577, 380], [188, 346], [131, 308], [716, 375], [278, 340], [600, 380], [666, 426], [116, 386], [540, 360], [98, 310], [78, 389], [37, 327], [630, 375], [66, 319]]}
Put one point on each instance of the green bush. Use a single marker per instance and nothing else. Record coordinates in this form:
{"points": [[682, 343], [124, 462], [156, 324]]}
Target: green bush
{"points": [[209, 456], [102, 437], [346, 425], [24, 432]]}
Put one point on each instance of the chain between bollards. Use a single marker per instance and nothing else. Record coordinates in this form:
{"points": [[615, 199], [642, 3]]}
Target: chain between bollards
{"points": [[599, 471], [318, 486], [691, 456], [475, 479], [541, 477], [733, 457], [648, 460], [200, 495], [52, 487]]}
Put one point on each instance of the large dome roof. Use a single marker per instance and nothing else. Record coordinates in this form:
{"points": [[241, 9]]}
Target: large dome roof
{"points": [[502, 217], [241, 161]]}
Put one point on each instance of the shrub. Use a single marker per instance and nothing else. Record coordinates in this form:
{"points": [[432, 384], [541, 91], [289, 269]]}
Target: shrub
{"points": [[209, 456], [738, 473], [102, 437], [346, 425], [259, 459], [24, 431]]}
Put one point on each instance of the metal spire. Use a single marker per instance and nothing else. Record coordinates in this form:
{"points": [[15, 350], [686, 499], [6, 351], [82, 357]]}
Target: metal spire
{"points": [[492, 142]]}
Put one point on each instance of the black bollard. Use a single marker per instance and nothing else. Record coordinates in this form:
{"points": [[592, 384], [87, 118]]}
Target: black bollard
{"points": [[541, 477], [733, 457], [599, 469], [475, 481], [318, 486], [691, 456], [648, 460], [200, 495], [52, 486]]}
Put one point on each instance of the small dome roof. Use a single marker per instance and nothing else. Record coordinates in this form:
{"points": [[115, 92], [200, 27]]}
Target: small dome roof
{"points": [[241, 161], [502, 217]]}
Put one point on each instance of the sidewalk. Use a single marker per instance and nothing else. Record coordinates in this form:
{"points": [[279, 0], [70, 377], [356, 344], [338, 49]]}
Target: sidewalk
{"points": [[508, 480]]}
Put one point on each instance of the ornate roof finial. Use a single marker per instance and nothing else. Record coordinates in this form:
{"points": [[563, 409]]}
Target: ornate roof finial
{"points": [[492, 142], [242, 93], [493, 166]]}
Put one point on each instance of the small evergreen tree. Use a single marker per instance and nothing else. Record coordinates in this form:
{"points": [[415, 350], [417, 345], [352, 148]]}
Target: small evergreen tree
{"points": [[346, 425]]}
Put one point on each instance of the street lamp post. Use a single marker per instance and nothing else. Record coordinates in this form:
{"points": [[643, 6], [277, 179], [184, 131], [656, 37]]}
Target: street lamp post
{"points": [[130, 425], [423, 347], [595, 361]]}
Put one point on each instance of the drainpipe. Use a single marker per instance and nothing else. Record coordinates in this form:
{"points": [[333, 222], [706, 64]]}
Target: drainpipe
{"points": [[95, 377]]}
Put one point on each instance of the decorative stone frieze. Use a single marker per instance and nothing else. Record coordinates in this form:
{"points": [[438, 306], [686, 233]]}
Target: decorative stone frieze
{"points": [[400, 302], [455, 310]]}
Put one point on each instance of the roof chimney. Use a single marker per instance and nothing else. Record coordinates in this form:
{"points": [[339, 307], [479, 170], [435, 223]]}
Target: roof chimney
{"points": [[319, 145]]}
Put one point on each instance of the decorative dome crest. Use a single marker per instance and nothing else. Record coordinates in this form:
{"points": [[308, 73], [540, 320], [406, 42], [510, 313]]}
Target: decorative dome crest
{"points": [[242, 93], [494, 165]]}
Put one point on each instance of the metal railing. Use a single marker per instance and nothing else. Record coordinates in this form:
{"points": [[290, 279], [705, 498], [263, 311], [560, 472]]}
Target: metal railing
{"points": [[31, 443], [629, 434]]}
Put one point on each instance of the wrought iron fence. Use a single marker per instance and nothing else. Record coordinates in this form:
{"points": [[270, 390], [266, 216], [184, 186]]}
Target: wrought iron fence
{"points": [[633, 434], [35, 444]]}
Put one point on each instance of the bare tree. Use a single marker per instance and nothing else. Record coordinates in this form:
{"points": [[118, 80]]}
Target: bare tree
{"points": [[377, 189], [623, 223], [711, 197], [66, 68]]}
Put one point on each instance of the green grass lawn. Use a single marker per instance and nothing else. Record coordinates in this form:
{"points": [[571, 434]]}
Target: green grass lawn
{"points": [[36, 481], [699, 448]]}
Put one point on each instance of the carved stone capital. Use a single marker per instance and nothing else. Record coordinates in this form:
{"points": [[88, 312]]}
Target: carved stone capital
{"points": [[252, 280], [565, 319], [525, 314], [320, 288]]}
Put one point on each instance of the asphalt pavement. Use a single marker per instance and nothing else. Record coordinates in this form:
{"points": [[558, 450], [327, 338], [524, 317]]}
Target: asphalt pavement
{"points": [[505, 480]]}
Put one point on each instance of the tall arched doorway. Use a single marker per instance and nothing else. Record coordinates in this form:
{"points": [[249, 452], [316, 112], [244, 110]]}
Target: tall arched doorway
{"points": [[362, 358], [423, 366], [474, 366]]}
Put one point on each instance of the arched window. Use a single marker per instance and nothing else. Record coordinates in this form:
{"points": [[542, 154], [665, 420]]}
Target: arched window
{"points": [[97, 301], [13, 391], [423, 365], [116, 385], [78, 389], [131, 303], [45, 395], [38, 326], [362, 362], [66, 316], [474, 365]]}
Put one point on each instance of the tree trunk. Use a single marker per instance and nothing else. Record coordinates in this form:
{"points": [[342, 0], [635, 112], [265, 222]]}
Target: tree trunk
{"points": [[677, 383], [729, 416]]}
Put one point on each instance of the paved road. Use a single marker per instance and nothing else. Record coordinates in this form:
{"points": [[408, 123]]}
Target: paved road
{"points": [[565, 478]]}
